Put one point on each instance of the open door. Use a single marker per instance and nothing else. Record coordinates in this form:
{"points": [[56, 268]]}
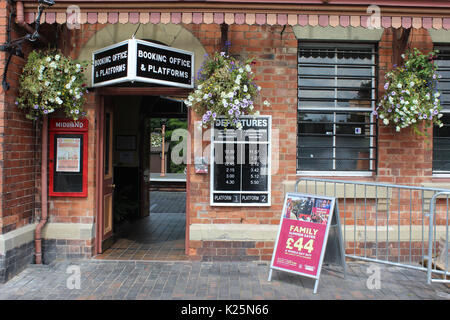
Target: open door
{"points": [[108, 178], [144, 167]]}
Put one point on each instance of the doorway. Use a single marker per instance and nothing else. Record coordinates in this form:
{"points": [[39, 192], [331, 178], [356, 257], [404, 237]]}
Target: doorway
{"points": [[143, 217]]}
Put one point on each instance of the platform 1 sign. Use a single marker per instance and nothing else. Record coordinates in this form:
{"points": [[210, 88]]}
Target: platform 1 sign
{"points": [[142, 61], [303, 234]]}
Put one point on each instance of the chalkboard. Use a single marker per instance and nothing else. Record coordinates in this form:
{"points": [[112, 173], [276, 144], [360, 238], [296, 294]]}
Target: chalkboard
{"points": [[240, 163]]}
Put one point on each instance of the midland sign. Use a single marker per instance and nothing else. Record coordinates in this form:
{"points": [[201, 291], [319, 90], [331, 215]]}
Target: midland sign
{"points": [[137, 60]]}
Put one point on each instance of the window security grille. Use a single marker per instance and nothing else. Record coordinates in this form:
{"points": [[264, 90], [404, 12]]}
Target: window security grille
{"points": [[441, 136], [336, 95]]}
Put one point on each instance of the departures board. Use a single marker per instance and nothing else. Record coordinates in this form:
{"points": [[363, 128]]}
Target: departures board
{"points": [[240, 162]]}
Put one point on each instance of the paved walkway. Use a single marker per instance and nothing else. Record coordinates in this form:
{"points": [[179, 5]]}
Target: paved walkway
{"points": [[148, 280]]}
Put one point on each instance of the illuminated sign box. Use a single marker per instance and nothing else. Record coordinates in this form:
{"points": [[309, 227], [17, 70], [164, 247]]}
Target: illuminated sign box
{"points": [[142, 61]]}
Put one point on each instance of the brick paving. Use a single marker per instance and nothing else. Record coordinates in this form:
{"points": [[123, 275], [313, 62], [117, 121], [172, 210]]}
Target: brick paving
{"points": [[129, 271], [192, 280], [160, 236]]}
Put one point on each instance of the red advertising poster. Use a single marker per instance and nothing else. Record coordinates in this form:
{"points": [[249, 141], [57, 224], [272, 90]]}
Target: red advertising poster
{"points": [[302, 234]]}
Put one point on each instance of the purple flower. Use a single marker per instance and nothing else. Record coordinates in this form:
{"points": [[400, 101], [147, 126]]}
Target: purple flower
{"points": [[374, 113], [17, 103], [435, 112], [36, 106], [425, 116], [45, 111], [230, 111], [386, 85]]}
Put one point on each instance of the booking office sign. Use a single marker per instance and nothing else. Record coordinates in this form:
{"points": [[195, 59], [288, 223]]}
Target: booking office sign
{"points": [[142, 61], [302, 235]]}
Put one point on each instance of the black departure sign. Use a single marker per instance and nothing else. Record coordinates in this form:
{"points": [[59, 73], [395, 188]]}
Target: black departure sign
{"points": [[142, 61], [240, 163]]}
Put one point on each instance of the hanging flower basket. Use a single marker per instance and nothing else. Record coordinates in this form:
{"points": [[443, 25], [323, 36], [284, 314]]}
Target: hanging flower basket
{"points": [[411, 96], [52, 81], [225, 88]]}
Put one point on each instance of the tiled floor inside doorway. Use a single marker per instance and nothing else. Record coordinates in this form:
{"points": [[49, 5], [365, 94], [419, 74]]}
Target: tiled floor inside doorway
{"points": [[160, 236]]}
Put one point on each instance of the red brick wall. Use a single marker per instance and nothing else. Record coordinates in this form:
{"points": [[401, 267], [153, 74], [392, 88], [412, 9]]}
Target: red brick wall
{"points": [[403, 158], [18, 145]]}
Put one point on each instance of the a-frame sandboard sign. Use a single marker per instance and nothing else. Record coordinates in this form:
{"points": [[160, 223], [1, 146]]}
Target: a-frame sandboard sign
{"points": [[309, 236]]}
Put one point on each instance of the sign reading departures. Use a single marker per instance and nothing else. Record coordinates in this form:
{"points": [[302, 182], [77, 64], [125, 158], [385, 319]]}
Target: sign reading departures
{"points": [[240, 170], [142, 61]]}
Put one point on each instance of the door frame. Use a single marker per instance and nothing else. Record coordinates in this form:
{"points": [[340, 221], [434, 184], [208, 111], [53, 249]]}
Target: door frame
{"points": [[101, 94]]}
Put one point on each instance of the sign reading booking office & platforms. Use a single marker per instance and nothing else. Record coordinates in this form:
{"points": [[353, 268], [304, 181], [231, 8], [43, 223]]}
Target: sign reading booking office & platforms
{"points": [[142, 61]]}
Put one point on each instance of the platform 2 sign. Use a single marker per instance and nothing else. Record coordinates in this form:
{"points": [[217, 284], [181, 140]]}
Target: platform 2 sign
{"points": [[142, 61], [302, 235], [240, 163]]}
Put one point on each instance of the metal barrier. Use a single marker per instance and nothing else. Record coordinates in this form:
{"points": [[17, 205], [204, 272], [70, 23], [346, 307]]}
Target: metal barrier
{"points": [[397, 225], [438, 249]]}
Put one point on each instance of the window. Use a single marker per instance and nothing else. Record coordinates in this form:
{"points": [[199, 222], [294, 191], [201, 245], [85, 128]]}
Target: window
{"points": [[336, 95], [441, 136]]}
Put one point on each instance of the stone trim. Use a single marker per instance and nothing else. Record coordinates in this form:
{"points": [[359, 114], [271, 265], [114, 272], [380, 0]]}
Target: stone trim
{"points": [[248, 232]]}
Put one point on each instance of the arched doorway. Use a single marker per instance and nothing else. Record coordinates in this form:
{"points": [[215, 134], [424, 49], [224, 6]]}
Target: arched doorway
{"points": [[123, 116]]}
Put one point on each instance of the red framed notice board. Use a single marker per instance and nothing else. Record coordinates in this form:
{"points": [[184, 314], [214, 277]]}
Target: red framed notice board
{"points": [[302, 235], [68, 157]]}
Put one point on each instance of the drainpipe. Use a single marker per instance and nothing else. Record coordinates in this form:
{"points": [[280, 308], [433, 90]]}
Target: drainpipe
{"points": [[44, 207], [20, 18]]}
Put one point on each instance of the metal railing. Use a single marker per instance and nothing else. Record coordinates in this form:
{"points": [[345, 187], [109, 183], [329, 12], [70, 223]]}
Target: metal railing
{"points": [[404, 226]]}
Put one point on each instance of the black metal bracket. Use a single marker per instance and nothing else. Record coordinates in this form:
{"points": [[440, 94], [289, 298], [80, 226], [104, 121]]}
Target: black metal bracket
{"points": [[14, 47]]}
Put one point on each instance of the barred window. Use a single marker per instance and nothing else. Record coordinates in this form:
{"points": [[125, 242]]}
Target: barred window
{"points": [[336, 95], [441, 136]]}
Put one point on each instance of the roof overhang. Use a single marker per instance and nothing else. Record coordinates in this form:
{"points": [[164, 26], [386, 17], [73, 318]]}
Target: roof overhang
{"points": [[345, 13]]}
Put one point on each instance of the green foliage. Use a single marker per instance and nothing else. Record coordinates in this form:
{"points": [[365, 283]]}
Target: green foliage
{"points": [[226, 88], [52, 81], [411, 96]]}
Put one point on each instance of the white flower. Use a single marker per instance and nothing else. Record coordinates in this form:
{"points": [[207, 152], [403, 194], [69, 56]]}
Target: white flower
{"points": [[239, 125], [67, 86], [441, 125], [53, 65], [78, 66], [411, 84], [245, 88], [259, 88], [57, 57], [386, 121], [241, 70], [248, 68], [48, 59], [256, 113], [238, 81], [248, 97], [397, 129], [266, 103], [399, 86]]}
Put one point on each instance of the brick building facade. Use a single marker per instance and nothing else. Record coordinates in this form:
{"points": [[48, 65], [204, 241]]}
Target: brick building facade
{"points": [[272, 34]]}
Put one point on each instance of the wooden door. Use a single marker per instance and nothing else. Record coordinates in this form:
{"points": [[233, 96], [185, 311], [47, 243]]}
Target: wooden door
{"points": [[108, 177]]}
